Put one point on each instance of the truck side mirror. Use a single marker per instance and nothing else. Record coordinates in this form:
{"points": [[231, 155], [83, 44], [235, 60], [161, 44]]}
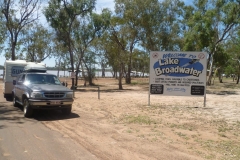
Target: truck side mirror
{"points": [[14, 82]]}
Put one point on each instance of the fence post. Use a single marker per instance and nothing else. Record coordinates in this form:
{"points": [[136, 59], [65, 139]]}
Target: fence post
{"points": [[98, 92]]}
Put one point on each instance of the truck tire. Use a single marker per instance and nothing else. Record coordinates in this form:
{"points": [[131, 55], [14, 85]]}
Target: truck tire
{"points": [[8, 98], [15, 104], [67, 111], [27, 109]]}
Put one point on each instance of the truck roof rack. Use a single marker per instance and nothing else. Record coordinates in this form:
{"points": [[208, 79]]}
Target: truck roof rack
{"points": [[35, 68]]}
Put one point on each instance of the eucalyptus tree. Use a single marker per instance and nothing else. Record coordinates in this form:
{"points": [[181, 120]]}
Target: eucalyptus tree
{"points": [[161, 23], [125, 34], [208, 24], [85, 31], [63, 15], [148, 24], [17, 15], [37, 43], [98, 46], [116, 58], [221, 59], [118, 54], [59, 51], [126, 29], [2, 31], [114, 55], [169, 32], [141, 61], [233, 49]]}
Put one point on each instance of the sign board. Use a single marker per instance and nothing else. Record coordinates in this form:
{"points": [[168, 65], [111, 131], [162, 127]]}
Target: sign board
{"points": [[178, 73], [16, 70]]}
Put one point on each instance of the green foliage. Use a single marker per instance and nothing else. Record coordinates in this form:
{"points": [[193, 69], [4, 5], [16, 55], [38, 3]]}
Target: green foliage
{"points": [[140, 61], [208, 25], [36, 43], [64, 17], [233, 49], [221, 57], [3, 31], [16, 20]]}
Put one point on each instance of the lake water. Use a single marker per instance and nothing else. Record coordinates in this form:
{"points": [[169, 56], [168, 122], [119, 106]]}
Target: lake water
{"points": [[68, 74]]}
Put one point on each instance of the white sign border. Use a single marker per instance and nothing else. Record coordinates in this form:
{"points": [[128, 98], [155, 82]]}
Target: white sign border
{"points": [[204, 72]]}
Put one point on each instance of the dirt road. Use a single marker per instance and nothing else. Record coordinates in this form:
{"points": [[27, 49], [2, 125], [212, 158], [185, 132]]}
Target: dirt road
{"points": [[121, 126]]}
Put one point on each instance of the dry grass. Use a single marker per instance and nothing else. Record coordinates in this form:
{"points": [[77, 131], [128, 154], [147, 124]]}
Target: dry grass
{"points": [[210, 133]]}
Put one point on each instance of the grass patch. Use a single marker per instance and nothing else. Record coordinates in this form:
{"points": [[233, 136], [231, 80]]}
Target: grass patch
{"points": [[238, 124], [139, 120], [229, 150], [185, 126], [183, 135]]}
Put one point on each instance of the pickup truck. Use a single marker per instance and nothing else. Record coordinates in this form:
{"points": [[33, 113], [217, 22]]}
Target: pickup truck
{"points": [[37, 89]]}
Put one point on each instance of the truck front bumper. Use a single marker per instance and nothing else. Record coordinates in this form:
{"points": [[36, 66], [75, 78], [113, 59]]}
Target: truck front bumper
{"points": [[49, 104]]}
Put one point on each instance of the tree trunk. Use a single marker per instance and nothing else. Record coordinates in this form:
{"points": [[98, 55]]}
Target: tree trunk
{"points": [[77, 73], [13, 50], [103, 70], [59, 61], [238, 75], [128, 77], [210, 74], [238, 79], [120, 82], [214, 76], [220, 75], [72, 65], [120, 78], [90, 77]]}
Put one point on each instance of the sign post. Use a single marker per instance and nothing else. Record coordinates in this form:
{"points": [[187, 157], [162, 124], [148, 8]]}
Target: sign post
{"points": [[178, 74], [73, 75]]}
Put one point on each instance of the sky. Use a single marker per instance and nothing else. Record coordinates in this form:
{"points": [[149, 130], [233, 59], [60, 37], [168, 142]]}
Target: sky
{"points": [[99, 6]]}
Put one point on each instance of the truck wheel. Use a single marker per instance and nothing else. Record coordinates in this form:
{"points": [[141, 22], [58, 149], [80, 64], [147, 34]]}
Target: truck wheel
{"points": [[67, 111], [15, 104], [9, 98], [27, 109]]}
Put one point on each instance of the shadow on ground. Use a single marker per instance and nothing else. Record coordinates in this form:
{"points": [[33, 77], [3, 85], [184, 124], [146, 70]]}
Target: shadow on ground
{"points": [[222, 92], [52, 115]]}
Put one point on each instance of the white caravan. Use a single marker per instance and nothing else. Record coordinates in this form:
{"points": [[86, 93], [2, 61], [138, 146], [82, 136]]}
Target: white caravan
{"points": [[11, 71]]}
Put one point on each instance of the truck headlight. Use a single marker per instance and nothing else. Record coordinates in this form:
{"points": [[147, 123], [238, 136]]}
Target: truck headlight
{"points": [[69, 95], [36, 95]]}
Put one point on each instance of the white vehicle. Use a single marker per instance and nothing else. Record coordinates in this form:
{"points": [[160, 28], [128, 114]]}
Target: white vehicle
{"points": [[11, 70]]}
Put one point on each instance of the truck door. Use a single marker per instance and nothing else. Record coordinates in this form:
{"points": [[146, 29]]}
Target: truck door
{"points": [[19, 87]]}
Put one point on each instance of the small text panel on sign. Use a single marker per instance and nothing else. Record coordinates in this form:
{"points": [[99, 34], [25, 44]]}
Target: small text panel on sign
{"points": [[197, 90], [156, 89]]}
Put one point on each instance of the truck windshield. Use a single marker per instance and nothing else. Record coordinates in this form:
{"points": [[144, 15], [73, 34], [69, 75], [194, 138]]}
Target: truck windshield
{"points": [[42, 79]]}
